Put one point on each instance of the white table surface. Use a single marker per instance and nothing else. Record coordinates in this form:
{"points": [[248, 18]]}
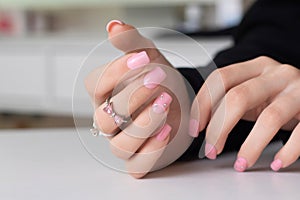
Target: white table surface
{"points": [[52, 164]]}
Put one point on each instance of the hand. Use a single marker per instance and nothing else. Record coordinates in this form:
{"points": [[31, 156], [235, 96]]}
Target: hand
{"points": [[260, 90], [142, 84]]}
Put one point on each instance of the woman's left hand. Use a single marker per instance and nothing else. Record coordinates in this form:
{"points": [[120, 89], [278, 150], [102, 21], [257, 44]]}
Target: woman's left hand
{"points": [[260, 90], [143, 88]]}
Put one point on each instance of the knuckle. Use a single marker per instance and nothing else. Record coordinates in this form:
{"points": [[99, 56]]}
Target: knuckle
{"points": [[215, 73], [223, 72], [220, 72], [264, 60], [287, 70], [272, 117], [237, 95], [213, 76], [220, 75]]}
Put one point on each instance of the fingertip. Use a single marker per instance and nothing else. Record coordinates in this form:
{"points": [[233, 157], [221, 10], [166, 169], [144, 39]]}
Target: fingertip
{"points": [[118, 30], [138, 60], [193, 128], [116, 27], [195, 124], [210, 151], [195, 109], [154, 78], [138, 175], [127, 38], [240, 164], [276, 165], [112, 23], [164, 133], [162, 103]]}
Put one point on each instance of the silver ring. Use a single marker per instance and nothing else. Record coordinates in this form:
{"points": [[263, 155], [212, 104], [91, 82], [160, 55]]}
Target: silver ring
{"points": [[95, 132], [108, 108]]}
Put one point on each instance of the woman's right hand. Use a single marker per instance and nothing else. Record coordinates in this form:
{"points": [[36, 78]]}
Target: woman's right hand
{"points": [[142, 84]]}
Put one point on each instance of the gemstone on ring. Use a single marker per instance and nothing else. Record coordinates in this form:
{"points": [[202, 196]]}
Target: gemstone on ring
{"points": [[108, 108], [95, 132], [118, 119]]}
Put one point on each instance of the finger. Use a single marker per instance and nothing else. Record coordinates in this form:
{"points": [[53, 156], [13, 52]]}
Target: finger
{"points": [[131, 98], [129, 140], [289, 153], [100, 82], [278, 113], [127, 38], [218, 83], [235, 104], [144, 161]]}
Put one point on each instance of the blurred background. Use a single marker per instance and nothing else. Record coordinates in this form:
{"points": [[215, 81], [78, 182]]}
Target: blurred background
{"points": [[42, 44]]}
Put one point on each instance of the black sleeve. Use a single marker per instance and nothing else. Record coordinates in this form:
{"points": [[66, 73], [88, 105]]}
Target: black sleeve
{"points": [[270, 28]]}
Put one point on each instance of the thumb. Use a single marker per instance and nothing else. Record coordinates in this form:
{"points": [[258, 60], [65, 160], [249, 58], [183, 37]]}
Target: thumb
{"points": [[128, 39]]}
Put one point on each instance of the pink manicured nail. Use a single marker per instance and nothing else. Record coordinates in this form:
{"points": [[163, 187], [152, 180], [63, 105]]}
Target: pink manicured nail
{"points": [[154, 78], [138, 60], [112, 23], [161, 103], [193, 129], [240, 164], [276, 165], [210, 151], [164, 132]]}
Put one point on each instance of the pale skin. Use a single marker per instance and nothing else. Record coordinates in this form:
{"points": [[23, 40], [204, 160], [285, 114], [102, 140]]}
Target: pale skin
{"points": [[141, 153], [261, 90]]}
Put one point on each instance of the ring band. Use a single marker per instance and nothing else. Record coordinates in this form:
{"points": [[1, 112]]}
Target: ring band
{"points": [[119, 119], [95, 132]]}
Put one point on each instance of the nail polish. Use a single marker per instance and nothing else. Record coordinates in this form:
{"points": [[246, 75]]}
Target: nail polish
{"points": [[138, 60], [210, 151], [240, 164], [193, 128], [164, 132], [161, 103], [113, 22], [276, 165], [154, 78]]}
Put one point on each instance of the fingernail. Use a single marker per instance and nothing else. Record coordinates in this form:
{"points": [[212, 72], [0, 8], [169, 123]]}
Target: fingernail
{"points": [[193, 129], [210, 151], [164, 132], [240, 164], [112, 23], [154, 78], [276, 165], [161, 103], [138, 60]]}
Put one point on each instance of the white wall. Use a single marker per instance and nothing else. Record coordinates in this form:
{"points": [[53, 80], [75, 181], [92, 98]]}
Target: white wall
{"points": [[37, 76]]}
